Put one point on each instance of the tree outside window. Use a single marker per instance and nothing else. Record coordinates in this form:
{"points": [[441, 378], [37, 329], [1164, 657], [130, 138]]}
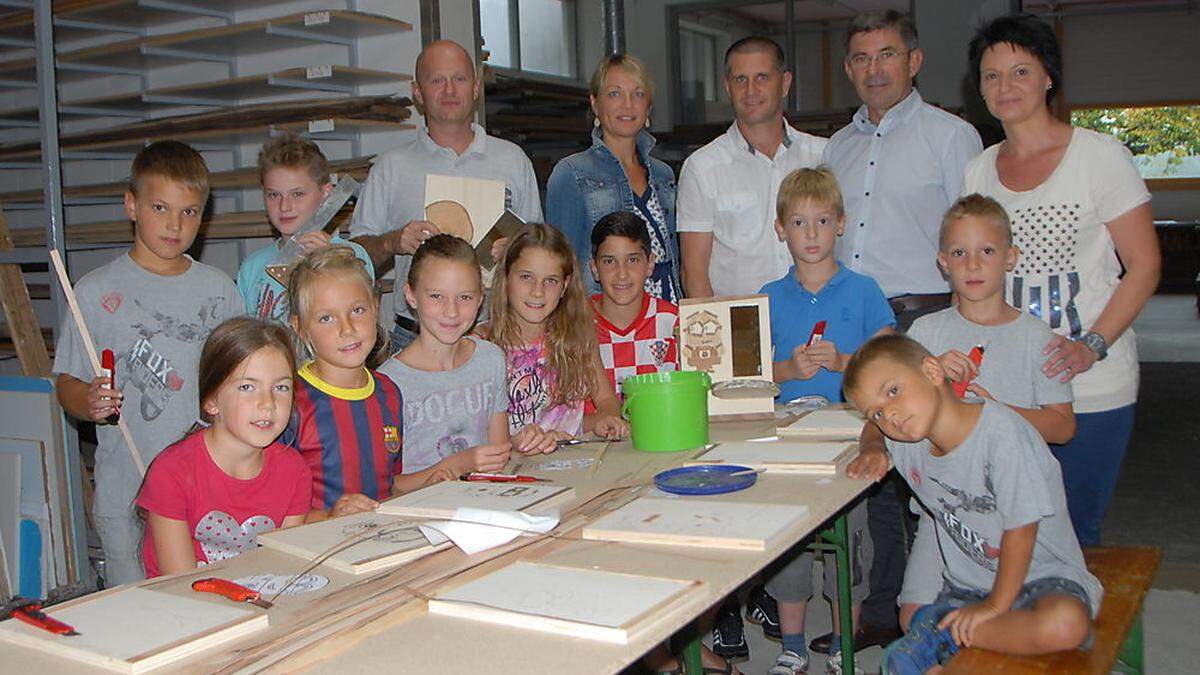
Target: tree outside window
{"points": [[1164, 140]]}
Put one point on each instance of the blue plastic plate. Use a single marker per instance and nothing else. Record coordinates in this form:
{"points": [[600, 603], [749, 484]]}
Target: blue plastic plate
{"points": [[704, 480]]}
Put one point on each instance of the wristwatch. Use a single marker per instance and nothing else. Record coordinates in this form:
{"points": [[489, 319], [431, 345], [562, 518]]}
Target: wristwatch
{"points": [[1095, 342]]}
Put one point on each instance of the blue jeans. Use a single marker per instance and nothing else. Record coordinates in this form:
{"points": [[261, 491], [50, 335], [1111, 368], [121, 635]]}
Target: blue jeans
{"points": [[1091, 462]]}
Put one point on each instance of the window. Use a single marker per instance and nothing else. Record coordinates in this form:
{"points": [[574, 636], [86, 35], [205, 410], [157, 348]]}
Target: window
{"points": [[698, 64], [1164, 140], [532, 35]]}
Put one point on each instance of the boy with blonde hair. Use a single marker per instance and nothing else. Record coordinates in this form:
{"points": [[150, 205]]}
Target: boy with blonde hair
{"points": [[295, 179], [975, 252], [1014, 579], [817, 290], [153, 306]]}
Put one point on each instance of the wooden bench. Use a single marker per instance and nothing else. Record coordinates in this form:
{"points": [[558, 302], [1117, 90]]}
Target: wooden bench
{"points": [[1126, 574]]}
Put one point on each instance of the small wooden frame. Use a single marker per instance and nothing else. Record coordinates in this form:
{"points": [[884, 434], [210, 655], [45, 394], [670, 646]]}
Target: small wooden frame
{"points": [[780, 456], [441, 500], [586, 603], [827, 424], [739, 526], [730, 339], [396, 542], [133, 630]]}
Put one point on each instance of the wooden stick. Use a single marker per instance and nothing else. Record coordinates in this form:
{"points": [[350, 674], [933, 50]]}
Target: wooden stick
{"points": [[746, 472], [599, 458], [86, 336]]}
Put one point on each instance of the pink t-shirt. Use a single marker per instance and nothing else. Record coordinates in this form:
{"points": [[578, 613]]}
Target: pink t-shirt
{"points": [[224, 514], [530, 381]]}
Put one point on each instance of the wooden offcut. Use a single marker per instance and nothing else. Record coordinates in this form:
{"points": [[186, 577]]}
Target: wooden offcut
{"points": [[827, 424], [243, 118], [22, 323], [780, 456], [441, 500], [741, 526]]}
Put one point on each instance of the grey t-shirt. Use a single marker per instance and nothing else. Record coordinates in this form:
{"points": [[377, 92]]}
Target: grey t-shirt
{"points": [[448, 411], [394, 193], [1000, 478], [1011, 370], [156, 326]]}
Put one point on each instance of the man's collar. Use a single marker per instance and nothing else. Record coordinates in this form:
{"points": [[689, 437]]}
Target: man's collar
{"points": [[740, 141], [900, 113], [478, 143]]}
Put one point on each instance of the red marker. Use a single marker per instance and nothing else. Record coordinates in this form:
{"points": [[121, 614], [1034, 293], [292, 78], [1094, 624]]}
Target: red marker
{"points": [[817, 333], [976, 357], [108, 366]]}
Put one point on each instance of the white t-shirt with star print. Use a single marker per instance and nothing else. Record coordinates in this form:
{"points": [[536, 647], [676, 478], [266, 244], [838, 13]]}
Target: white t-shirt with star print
{"points": [[1068, 267]]}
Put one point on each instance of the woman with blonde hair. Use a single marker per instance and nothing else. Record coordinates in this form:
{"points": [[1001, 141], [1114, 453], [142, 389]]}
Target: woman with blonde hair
{"points": [[618, 174]]}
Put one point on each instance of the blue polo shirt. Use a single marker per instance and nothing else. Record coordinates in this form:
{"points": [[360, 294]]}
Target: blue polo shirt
{"points": [[853, 309]]}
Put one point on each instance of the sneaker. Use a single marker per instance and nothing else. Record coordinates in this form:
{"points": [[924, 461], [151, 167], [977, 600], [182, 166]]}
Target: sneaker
{"points": [[834, 664], [790, 663], [924, 647], [763, 611], [729, 637]]}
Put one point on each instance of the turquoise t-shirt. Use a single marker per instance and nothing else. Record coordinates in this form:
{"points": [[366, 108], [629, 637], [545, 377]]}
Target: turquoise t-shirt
{"points": [[266, 298]]}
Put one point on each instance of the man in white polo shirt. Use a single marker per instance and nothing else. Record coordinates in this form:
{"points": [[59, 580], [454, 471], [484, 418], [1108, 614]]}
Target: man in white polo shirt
{"points": [[726, 201], [389, 219]]}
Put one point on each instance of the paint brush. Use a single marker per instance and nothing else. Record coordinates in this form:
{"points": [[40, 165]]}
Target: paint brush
{"points": [[746, 472]]}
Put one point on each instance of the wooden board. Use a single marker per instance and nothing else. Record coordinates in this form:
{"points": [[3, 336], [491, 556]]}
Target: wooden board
{"points": [[730, 339], [441, 500], [10, 519], [740, 526], [19, 315], [482, 199], [829, 424], [241, 118], [396, 541], [132, 630], [585, 603], [780, 456]]}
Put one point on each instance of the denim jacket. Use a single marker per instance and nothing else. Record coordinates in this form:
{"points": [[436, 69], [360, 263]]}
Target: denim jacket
{"points": [[586, 186]]}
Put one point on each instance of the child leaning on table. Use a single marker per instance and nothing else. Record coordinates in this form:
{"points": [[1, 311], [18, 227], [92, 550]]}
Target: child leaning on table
{"points": [[975, 251], [295, 179], [233, 473], [1015, 580], [153, 306], [809, 219]]}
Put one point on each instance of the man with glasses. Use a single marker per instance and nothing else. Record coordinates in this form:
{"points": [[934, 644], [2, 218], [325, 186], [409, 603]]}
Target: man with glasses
{"points": [[900, 164]]}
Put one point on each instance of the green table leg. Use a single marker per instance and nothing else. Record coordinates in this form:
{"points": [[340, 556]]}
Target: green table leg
{"points": [[838, 538], [691, 651], [1130, 658]]}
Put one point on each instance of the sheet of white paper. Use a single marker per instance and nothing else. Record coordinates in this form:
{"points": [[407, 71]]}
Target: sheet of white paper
{"points": [[475, 530]]}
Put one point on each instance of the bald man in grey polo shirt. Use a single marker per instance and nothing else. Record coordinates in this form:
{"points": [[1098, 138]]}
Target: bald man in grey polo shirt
{"points": [[389, 219]]}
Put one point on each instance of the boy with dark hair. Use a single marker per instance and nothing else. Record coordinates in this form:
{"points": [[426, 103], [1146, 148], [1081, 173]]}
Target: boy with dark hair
{"points": [[153, 306], [1015, 579], [636, 330], [818, 290]]}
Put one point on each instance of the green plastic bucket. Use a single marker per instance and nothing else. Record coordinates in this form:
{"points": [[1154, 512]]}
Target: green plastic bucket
{"points": [[667, 412]]}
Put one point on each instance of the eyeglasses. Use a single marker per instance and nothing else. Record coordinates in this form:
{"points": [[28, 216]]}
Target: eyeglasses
{"points": [[884, 58]]}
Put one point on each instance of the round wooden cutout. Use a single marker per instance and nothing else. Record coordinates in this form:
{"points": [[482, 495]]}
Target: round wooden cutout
{"points": [[451, 218]]}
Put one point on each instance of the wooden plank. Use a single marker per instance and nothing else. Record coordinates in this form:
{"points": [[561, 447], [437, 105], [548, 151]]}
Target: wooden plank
{"points": [[380, 108], [154, 629], [829, 424], [694, 522], [586, 603], [1126, 573], [388, 541], [780, 456], [247, 177], [19, 315], [441, 500]]}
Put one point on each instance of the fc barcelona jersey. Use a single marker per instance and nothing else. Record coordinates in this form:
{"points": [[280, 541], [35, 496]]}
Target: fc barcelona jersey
{"points": [[350, 438]]}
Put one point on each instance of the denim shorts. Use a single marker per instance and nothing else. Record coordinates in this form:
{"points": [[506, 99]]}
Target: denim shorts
{"points": [[1030, 593]]}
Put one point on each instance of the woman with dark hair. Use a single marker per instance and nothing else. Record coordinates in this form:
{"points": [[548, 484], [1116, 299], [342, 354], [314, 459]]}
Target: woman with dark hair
{"points": [[1080, 212], [618, 174]]}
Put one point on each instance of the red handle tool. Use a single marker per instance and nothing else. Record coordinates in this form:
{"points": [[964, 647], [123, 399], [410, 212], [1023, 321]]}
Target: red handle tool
{"points": [[228, 589], [976, 357], [108, 364], [476, 476], [32, 614], [818, 332]]}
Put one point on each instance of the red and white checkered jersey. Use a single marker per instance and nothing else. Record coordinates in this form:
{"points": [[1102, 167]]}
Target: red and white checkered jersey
{"points": [[648, 345]]}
